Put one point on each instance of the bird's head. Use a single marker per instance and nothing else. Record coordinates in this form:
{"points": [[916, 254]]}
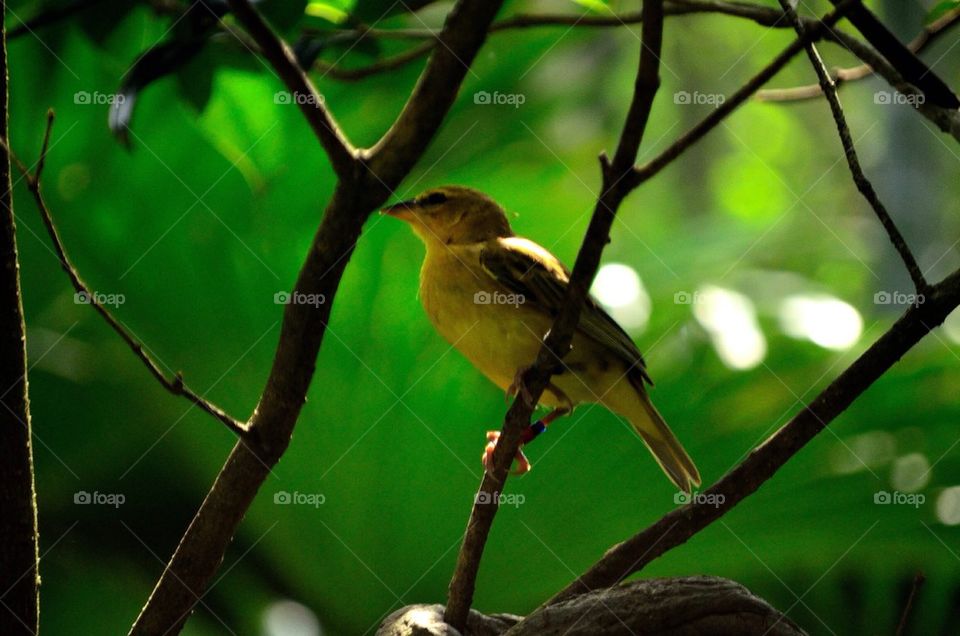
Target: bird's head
{"points": [[453, 215]]}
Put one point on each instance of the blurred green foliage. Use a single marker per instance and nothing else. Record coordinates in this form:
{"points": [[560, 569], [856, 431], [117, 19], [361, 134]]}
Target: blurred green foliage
{"points": [[212, 210]]}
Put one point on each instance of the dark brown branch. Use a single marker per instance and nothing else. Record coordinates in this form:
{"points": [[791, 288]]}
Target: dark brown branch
{"points": [[846, 139], [174, 385], [394, 62], [946, 119], [676, 527], [908, 65], [930, 34], [557, 341], [406, 140], [814, 31], [341, 152], [765, 16], [666, 607], [205, 541], [19, 535], [918, 581]]}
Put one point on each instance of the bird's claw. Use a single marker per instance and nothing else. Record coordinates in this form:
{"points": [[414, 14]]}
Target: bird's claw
{"points": [[519, 387], [522, 464]]}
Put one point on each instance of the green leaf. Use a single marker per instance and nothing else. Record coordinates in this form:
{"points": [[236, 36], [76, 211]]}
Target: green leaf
{"points": [[597, 6], [941, 10]]}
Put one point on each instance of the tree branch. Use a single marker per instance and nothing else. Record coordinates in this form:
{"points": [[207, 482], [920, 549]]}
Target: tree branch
{"points": [[679, 525], [19, 535], [205, 541], [558, 339], [463, 33], [930, 34], [850, 152], [342, 154], [174, 385], [816, 29], [391, 63]]}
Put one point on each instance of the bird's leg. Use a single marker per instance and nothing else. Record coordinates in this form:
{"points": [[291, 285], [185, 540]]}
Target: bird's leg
{"points": [[528, 435]]}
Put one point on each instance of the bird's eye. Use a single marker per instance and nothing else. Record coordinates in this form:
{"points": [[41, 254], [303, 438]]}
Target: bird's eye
{"points": [[434, 198]]}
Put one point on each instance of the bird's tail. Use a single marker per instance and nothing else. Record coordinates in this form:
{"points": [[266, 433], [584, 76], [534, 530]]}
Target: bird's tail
{"points": [[661, 441]]}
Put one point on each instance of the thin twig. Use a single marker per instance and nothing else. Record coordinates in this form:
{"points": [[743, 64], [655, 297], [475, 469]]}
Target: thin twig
{"points": [[930, 34], [393, 62], [817, 29], [558, 339], [174, 385], [918, 581], [342, 154], [765, 16], [846, 139]]}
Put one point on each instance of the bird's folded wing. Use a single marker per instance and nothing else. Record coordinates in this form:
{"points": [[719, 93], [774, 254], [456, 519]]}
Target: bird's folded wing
{"points": [[523, 267]]}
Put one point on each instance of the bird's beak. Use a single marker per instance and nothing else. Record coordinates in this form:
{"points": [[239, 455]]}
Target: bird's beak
{"points": [[403, 210]]}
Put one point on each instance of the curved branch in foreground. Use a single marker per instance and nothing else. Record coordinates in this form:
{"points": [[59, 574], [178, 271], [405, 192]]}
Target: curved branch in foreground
{"points": [[557, 341], [853, 162], [174, 385], [930, 34], [679, 525], [203, 545], [703, 605]]}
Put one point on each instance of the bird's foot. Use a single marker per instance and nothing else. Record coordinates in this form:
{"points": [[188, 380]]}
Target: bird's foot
{"points": [[521, 464]]}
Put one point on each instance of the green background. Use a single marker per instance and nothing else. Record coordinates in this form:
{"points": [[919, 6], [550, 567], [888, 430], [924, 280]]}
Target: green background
{"points": [[211, 213]]}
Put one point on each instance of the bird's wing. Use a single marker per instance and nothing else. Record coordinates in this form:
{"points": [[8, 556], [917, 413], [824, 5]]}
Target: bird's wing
{"points": [[524, 267]]}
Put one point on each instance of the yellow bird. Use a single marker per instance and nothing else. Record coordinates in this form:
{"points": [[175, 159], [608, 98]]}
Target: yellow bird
{"points": [[494, 296]]}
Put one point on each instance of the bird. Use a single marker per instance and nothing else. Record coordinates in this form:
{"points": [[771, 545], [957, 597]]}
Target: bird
{"points": [[494, 295]]}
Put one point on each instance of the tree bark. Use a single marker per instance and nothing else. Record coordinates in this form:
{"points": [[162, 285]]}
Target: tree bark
{"points": [[696, 605], [19, 577]]}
